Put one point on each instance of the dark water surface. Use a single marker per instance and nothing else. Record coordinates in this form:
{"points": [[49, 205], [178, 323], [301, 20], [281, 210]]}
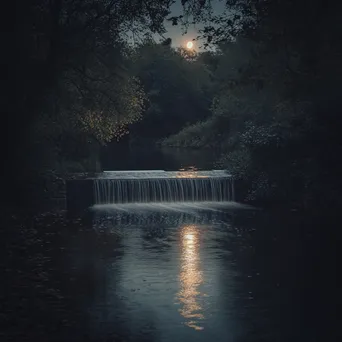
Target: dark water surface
{"points": [[151, 158], [166, 273]]}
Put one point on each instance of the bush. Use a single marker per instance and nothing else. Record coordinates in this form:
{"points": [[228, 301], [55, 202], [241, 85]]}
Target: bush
{"points": [[198, 135]]}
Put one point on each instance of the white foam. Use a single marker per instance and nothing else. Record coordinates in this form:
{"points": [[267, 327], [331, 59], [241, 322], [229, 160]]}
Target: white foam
{"points": [[171, 207]]}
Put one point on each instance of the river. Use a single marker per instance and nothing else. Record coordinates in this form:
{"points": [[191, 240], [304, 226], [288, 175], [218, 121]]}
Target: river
{"points": [[151, 158], [167, 273]]}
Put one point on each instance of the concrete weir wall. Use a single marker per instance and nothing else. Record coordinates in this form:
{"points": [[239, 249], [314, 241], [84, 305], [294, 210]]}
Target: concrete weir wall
{"points": [[79, 194], [149, 186], [241, 190]]}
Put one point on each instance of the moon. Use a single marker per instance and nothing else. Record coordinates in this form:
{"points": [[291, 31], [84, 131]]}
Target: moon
{"points": [[189, 45]]}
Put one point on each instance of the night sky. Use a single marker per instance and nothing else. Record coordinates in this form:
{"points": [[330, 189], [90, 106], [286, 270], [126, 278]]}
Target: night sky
{"points": [[175, 32]]}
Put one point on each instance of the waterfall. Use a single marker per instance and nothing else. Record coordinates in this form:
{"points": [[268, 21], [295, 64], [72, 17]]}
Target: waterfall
{"points": [[213, 187]]}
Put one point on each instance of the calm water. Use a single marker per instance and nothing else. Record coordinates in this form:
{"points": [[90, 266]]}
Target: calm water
{"points": [[150, 158], [166, 273]]}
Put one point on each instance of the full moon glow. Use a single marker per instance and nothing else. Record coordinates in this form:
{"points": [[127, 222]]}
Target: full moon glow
{"points": [[189, 45]]}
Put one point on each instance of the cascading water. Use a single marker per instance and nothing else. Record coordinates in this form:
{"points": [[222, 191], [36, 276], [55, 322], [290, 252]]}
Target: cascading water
{"points": [[163, 186]]}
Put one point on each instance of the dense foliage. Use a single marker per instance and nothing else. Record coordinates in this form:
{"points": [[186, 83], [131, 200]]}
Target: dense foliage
{"points": [[73, 88], [277, 110], [177, 87]]}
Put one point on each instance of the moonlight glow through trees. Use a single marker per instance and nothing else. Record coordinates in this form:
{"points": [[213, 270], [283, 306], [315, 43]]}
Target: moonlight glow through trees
{"points": [[189, 45]]}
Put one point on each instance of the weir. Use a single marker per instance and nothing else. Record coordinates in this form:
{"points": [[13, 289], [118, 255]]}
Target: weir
{"points": [[164, 186], [154, 186]]}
